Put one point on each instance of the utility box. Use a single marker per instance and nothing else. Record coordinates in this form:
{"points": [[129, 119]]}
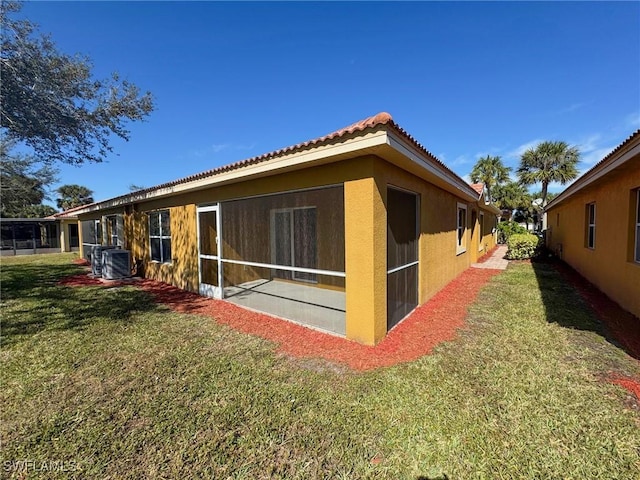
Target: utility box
{"points": [[116, 264], [96, 258]]}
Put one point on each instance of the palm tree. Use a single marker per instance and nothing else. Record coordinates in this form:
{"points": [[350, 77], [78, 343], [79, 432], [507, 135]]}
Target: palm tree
{"points": [[490, 171], [73, 196], [548, 162]]}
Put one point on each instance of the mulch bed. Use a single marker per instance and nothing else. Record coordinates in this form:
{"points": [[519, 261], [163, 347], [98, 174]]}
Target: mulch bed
{"points": [[487, 255], [429, 325], [621, 325]]}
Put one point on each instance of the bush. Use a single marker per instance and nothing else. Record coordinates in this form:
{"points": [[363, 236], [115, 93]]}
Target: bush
{"points": [[506, 229], [523, 246]]}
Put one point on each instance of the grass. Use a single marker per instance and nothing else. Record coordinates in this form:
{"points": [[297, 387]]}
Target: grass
{"points": [[111, 385]]}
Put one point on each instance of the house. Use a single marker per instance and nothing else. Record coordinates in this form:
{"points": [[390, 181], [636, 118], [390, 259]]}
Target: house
{"points": [[69, 229], [594, 224], [346, 233]]}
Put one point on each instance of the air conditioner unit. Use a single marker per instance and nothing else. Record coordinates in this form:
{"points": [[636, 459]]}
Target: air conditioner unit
{"points": [[96, 258], [116, 264]]}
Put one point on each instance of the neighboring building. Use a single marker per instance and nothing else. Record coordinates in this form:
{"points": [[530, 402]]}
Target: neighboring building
{"points": [[347, 233], [26, 236], [594, 225], [69, 229]]}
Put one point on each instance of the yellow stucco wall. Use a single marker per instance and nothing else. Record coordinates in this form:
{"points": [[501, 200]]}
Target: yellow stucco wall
{"points": [[366, 256], [365, 180], [609, 265], [487, 239]]}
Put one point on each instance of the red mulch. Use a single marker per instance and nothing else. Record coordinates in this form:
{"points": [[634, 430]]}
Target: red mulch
{"points": [[81, 261], [629, 384], [487, 255], [86, 280], [429, 325], [622, 325]]}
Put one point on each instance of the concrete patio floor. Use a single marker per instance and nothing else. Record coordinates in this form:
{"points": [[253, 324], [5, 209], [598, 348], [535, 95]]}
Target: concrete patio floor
{"points": [[306, 304]]}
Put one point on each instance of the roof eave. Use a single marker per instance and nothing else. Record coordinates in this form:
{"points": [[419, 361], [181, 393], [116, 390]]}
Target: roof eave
{"points": [[595, 174]]}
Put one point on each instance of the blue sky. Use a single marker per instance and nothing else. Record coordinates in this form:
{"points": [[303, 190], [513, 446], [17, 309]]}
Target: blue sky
{"points": [[234, 80]]}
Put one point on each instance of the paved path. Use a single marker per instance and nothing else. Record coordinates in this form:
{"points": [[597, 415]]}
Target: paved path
{"points": [[497, 260]]}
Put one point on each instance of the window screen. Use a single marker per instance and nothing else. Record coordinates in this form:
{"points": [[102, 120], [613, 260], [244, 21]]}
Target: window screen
{"points": [[402, 255]]}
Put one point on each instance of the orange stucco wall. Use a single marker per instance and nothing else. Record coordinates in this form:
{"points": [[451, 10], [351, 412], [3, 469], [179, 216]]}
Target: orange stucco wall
{"points": [[610, 264]]}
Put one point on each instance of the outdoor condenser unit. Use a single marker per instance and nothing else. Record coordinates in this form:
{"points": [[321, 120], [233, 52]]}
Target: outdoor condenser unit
{"points": [[115, 264], [96, 258]]}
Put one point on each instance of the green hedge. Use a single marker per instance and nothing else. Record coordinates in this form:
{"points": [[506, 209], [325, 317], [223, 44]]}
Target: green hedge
{"points": [[523, 246], [506, 229]]}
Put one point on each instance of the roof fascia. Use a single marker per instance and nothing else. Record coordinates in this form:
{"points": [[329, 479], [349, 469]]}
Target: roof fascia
{"points": [[292, 161], [594, 175], [456, 184]]}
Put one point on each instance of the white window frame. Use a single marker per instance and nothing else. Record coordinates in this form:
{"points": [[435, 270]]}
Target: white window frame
{"points": [[113, 229], [591, 226], [636, 245], [461, 240], [161, 236]]}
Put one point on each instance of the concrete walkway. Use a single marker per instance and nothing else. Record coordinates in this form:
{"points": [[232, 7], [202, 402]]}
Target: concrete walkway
{"points": [[497, 260]]}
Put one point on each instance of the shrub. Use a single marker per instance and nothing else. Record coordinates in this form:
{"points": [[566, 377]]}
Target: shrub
{"points": [[506, 229], [523, 246]]}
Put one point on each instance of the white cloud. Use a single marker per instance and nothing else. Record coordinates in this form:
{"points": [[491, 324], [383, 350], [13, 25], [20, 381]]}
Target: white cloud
{"points": [[210, 150], [571, 108], [633, 120], [518, 151], [217, 148], [460, 160], [593, 156], [589, 144]]}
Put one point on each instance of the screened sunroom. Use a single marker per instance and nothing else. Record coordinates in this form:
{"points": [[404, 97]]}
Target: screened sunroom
{"points": [[23, 236], [282, 254]]}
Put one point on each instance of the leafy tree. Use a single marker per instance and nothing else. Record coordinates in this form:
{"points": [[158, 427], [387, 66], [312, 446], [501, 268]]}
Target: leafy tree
{"points": [[38, 211], [490, 171], [510, 196], [527, 212], [23, 182], [546, 163], [50, 101], [135, 188], [72, 196]]}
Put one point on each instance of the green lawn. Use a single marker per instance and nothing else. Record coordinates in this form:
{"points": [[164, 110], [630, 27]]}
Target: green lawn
{"points": [[114, 386]]}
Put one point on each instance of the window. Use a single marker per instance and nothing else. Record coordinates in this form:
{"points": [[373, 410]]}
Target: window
{"points": [[112, 225], [97, 232], [637, 243], [591, 225], [481, 221], [160, 236], [461, 227]]}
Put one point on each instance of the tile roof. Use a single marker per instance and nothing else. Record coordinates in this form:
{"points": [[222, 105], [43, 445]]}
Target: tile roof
{"points": [[369, 123], [71, 210], [586, 177], [478, 187]]}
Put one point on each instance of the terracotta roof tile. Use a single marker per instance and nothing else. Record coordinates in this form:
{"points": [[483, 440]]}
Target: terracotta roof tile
{"points": [[71, 210], [380, 119], [478, 187], [578, 183]]}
